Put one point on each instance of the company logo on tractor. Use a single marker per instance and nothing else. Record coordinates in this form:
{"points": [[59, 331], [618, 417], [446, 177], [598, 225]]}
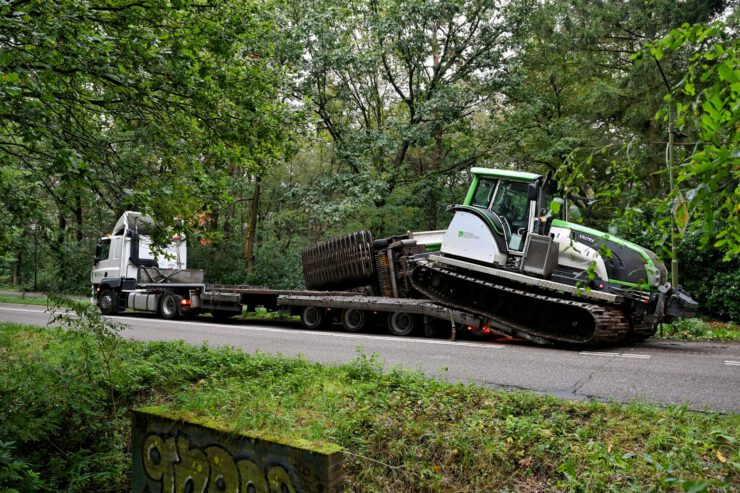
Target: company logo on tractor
{"points": [[467, 236]]}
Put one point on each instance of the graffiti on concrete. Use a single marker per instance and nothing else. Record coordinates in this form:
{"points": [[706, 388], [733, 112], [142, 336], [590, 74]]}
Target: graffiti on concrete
{"points": [[180, 457], [178, 467]]}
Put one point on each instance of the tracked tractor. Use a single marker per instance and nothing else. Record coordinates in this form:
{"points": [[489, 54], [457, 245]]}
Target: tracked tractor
{"points": [[515, 254]]}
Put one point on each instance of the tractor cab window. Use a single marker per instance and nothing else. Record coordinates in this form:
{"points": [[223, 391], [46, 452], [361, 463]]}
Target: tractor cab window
{"points": [[511, 204], [483, 193]]}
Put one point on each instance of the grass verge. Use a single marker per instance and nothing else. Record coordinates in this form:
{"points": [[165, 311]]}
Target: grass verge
{"points": [[23, 300], [64, 422], [696, 329]]}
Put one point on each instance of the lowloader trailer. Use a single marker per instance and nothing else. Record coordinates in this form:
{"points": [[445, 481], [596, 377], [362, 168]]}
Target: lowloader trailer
{"points": [[129, 273]]}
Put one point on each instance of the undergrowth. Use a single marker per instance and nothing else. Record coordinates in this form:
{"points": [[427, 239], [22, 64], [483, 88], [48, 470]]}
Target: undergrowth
{"points": [[696, 329], [67, 396]]}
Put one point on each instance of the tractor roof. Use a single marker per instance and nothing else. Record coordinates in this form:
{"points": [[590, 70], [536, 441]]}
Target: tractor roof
{"points": [[506, 174]]}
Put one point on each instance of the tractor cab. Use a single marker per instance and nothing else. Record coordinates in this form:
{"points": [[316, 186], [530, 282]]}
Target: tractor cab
{"points": [[506, 215]]}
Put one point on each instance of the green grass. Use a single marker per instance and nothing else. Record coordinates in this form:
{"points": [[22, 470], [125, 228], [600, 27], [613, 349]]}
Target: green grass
{"points": [[24, 300], [400, 431], [696, 329]]}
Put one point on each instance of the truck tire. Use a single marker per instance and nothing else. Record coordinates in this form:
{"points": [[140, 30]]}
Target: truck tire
{"points": [[401, 323], [353, 320], [312, 317], [169, 306], [108, 302]]}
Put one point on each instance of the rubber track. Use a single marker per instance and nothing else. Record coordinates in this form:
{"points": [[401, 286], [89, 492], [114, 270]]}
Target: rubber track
{"points": [[610, 324]]}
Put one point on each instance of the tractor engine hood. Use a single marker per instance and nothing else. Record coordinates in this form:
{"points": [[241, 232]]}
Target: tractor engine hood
{"points": [[626, 263]]}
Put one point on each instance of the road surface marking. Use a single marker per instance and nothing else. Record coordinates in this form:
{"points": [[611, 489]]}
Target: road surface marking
{"points": [[413, 340], [22, 310], [732, 363], [615, 355]]}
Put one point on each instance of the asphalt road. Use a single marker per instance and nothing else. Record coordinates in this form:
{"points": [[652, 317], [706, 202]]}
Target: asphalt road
{"points": [[703, 376]]}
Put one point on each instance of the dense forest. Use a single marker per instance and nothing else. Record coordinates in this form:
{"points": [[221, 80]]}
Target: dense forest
{"points": [[261, 127]]}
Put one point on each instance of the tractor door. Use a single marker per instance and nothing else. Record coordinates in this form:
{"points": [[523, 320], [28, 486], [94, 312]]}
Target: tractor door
{"points": [[511, 203]]}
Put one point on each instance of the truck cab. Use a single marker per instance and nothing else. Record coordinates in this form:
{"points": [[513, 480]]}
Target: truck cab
{"points": [[126, 260]]}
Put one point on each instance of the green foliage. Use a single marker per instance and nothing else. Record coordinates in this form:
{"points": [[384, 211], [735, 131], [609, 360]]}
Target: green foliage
{"points": [[694, 329], [128, 106], [314, 118], [17, 476], [705, 103]]}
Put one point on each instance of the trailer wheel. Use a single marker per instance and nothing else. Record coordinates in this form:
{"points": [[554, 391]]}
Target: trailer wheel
{"points": [[108, 302], [169, 306], [353, 320], [312, 317], [401, 324]]}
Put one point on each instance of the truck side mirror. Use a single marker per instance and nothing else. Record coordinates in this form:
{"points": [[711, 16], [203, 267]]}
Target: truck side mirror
{"points": [[532, 192]]}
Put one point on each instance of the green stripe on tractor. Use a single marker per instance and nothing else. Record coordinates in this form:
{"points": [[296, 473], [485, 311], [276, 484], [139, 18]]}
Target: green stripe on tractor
{"points": [[644, 286], [471, 190]]}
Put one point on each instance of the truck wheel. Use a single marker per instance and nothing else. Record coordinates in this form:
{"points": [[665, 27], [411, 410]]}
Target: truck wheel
{"points": [[401, 324], [169, 306], [312, 317], [353, 320], [108, 302]]}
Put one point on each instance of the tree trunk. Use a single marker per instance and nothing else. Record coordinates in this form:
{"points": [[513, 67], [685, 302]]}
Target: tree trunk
{"points": [[78, 218], [17, 269], [61, 233], [252, 225]]}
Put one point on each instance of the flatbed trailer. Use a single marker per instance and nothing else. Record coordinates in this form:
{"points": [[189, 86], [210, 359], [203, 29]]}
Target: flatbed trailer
{"points": [[354, 311]]}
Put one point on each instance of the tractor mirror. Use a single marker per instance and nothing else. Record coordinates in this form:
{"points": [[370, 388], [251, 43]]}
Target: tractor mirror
{"points": [[532, 191]]}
